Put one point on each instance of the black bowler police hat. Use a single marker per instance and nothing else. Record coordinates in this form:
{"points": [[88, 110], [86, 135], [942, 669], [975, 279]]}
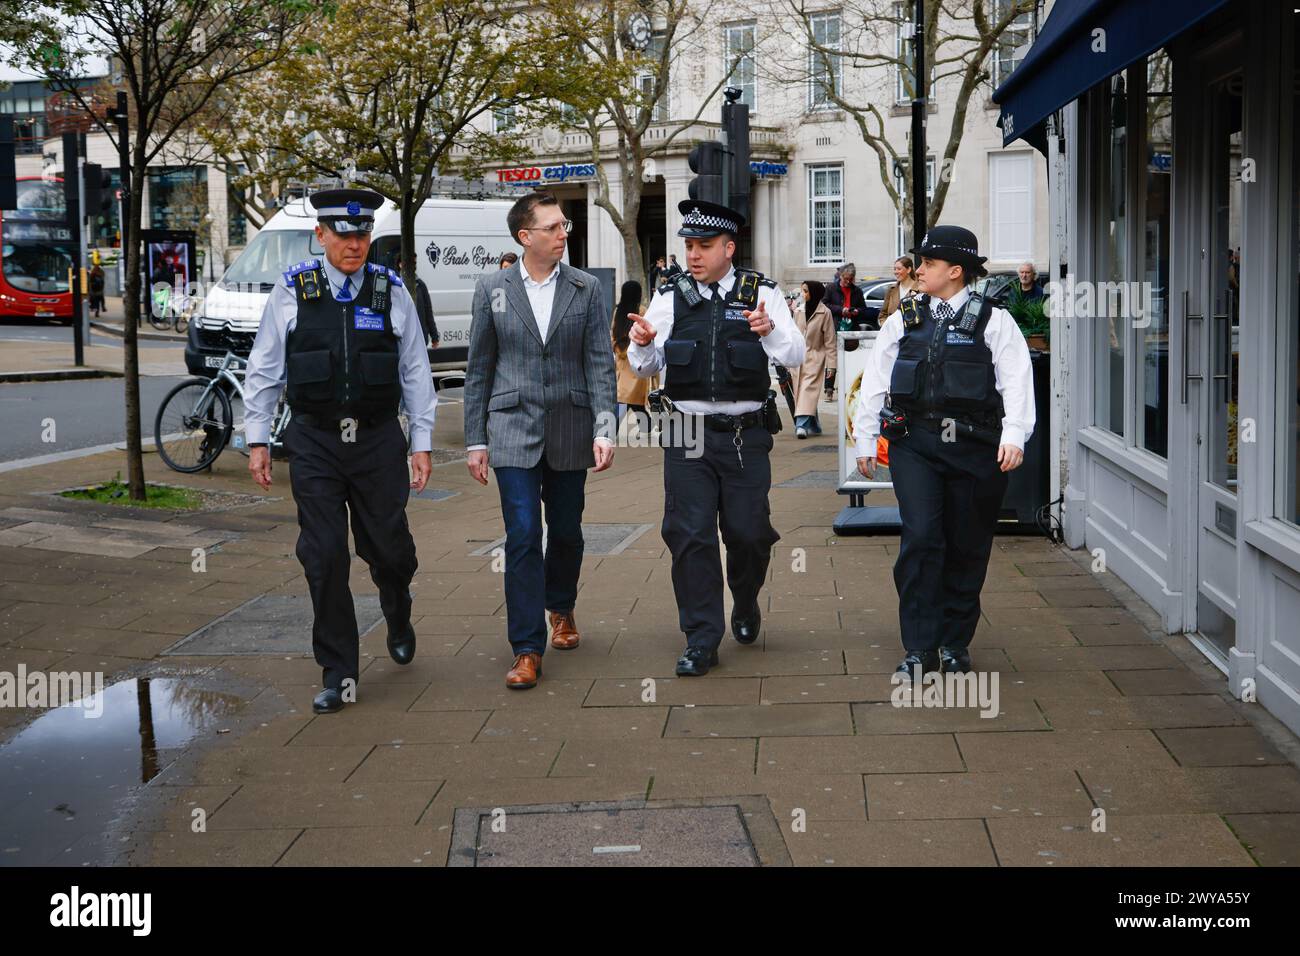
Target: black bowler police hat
{"points": [[700, 219], [951, 244], [347, 210]]}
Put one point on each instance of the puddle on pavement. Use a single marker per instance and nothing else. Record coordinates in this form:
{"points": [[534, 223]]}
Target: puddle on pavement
{"points": [[67, 776]]}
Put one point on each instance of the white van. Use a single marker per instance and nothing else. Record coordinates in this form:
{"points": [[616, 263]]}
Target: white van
{"points": [[456, 241]]}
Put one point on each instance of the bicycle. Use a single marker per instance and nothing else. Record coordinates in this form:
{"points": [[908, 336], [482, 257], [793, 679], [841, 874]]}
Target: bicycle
{"points": [[196, 419], [170, 312]]}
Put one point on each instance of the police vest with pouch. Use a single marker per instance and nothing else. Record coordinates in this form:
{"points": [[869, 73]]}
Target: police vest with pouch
{"points": [[945, 369], [342, 357], [712, 354]]}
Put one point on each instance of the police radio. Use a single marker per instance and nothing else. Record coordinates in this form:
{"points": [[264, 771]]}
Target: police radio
{"points": [[686, 286], [379, 292]]}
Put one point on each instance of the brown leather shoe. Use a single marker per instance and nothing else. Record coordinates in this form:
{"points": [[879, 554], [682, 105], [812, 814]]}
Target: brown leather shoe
{"points": [[564, 632], [523, 675]]}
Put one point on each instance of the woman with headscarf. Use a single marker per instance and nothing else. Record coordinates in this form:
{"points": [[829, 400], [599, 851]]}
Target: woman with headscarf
{"points": [[632, 390], [818, 327]]}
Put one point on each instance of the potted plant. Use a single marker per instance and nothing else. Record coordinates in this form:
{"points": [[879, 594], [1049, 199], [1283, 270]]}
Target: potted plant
{"points": [[1031, 314]]}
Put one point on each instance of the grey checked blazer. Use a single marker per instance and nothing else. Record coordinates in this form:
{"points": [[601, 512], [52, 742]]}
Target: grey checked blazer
{"points": [[524, 396]]}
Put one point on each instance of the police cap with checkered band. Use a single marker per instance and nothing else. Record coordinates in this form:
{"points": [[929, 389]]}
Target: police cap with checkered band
{"points": [[700, 219]]}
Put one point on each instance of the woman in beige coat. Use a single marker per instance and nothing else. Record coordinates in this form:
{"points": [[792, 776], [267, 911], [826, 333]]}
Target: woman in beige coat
{"points": [[904, 287], [818, 327]]}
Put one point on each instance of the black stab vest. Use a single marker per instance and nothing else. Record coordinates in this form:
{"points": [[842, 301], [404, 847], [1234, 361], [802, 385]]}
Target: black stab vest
{"points": [[943, 372], [712, 354], [342, 357]]}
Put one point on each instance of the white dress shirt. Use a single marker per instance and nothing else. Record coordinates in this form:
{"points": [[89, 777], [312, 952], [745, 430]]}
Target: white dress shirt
{"points": [[541, 296], [1013, 374], [265, 376], [784, 344]]}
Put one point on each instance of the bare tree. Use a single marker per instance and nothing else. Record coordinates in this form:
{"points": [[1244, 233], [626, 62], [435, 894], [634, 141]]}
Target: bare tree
{"points": [[961, 39]]}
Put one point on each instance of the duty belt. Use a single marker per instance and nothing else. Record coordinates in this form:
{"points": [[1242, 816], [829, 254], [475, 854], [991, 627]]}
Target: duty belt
{"points": [[937, 423], [730, 423], [334, 424]]}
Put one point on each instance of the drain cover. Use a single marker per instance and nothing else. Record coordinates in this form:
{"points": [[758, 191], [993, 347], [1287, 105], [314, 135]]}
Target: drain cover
{"points": [[278, 624], [597, 538], [813, 479], [609, 835]]}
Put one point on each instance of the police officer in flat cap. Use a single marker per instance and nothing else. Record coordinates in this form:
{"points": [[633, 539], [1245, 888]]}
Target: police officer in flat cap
{"points": [[342, 335], [714, 330], [950, 384]]}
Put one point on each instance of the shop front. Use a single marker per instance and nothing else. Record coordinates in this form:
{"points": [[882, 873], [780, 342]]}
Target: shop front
{"points": [[1178, 304]]}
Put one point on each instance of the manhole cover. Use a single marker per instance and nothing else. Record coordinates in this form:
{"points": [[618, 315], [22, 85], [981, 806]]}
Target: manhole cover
{"points": [[813, 479], [597, 538], [434, 494], [824, 449], [277, 624], [604, 835]]}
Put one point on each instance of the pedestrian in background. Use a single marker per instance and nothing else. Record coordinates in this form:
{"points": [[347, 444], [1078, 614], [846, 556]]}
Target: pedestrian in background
{"points": [[97, 289], [507, 260], [818, 328], [632, 389], [901, 289]]}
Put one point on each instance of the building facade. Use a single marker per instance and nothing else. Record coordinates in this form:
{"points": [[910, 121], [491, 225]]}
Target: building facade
{"points": [[1179, 380]]}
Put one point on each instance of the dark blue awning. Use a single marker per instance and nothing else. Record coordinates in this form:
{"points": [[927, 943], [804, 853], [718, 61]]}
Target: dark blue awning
{"points": [[1069, 56]]}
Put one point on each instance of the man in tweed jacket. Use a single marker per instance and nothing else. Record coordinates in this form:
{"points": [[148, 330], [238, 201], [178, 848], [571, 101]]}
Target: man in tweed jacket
{"points": [[540, 409]]}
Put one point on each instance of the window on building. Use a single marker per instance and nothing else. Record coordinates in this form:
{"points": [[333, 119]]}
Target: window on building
{"points": [[1287, 444], [826, 213], [904, 72], [645, 81], [1011, 206], [1153, 336], [901, 245], [1012, 41], [740, 61], [825, 65], [236, 220], [1112, 256], [504, 118]]}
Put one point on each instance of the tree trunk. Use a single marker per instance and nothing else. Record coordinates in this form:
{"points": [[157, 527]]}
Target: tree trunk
{"points": [[631, 212], [130, 349], [408, 212]]}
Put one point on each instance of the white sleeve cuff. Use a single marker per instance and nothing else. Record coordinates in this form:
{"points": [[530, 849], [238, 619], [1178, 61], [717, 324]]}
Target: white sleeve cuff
{"points": [[1013, 435], [476, 447]]}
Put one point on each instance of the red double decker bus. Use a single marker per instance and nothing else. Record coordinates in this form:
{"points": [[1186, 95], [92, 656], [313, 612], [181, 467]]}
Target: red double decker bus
{"points": [[37, 248]]}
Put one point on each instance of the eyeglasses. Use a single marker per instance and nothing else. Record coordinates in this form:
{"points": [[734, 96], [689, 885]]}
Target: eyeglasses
{"points": [[564, 224]]}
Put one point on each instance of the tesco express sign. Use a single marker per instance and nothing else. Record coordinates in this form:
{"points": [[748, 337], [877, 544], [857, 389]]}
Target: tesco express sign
{"points": [[539, 175]]}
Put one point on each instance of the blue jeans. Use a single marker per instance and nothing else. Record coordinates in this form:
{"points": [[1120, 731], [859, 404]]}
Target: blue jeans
{"points": [[536, 583]]}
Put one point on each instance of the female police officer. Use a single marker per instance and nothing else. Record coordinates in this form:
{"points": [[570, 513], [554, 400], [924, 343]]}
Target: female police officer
{"points": [[961, 407]]}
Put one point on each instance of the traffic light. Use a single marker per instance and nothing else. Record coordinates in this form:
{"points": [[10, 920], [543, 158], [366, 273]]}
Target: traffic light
{"points": [[8, 167], [99, 194], [735, 122], [706, 160]]}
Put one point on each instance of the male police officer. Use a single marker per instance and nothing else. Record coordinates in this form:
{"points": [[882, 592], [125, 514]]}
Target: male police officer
{"points": [[346, 335], [961, 407], [716, 330]]}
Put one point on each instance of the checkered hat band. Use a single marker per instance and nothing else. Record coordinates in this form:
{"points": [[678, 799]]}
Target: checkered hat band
{"points": [[696, 218]]}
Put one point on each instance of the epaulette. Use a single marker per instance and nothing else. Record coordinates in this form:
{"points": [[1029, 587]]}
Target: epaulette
{"points": [[666, 287], [393, 277], [305, 266], [770, 283]]}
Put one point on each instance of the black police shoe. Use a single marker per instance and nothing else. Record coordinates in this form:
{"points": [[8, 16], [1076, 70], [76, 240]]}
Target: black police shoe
{"points": [[328, 701], [744, 627], [917, 661], [696, 662], [954, 660], [401, 643]]}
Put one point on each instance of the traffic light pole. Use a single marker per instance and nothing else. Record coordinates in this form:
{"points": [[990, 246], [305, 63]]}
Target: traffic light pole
{"points": [[920, 84], [72, 200]]}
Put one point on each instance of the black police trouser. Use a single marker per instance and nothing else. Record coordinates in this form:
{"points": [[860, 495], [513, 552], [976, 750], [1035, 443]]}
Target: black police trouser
{"points": [[949, 495], [705, 492], [366, 479]]}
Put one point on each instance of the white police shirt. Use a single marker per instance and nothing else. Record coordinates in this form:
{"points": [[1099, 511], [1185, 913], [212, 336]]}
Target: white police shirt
{"points": [[784, 344], [1013, 375], [265, 376]]}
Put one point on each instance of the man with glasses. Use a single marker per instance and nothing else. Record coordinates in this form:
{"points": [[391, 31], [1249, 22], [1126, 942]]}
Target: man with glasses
{"points": [[343, 337], [540, 409]]}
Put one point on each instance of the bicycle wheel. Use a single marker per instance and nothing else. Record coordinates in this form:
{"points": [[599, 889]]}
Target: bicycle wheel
{"points": [[182, 322], [191, 429]]}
